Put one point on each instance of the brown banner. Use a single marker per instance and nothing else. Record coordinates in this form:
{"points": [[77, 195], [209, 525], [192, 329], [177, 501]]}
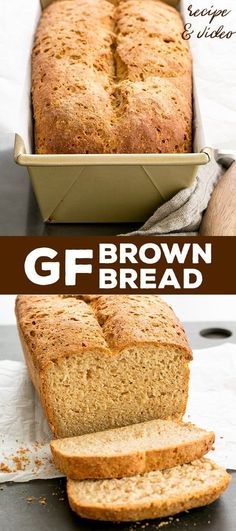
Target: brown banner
{"points": [[117, 265]]}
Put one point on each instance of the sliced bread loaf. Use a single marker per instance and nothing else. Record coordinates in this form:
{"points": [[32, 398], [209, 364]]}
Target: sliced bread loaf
{"points": [[104, 362], [132, 450], [153, 495]]}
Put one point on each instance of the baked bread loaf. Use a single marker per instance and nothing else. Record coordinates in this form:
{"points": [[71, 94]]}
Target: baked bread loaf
{"points": [[111, 77], [102, 362], [153, 495], [136, 449]]}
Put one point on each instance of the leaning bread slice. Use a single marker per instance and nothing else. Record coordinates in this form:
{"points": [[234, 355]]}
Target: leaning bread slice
{"points": [[153, 495], [131, 450]]}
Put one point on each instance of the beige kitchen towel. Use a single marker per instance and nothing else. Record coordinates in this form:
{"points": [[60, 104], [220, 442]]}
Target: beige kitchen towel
{"points": [[182, 215]]}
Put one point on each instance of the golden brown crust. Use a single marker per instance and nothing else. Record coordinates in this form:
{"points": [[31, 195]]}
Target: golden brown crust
{"points": [[71, 68], [129, 464], [53, 326], [138, 319], [160, 508], [111, 78], [38, 379], [133, 514]]}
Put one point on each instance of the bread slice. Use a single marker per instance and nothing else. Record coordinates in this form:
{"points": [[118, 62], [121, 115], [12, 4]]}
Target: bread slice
{"points": [[153, 495], [132, 450]]}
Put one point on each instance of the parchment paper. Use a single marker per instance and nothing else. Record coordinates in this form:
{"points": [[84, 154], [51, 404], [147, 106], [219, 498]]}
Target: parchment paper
{"points": [[214, 67], [214, 70]]}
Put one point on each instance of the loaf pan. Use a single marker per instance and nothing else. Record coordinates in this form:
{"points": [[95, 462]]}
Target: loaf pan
{"points": [[108, 188]]}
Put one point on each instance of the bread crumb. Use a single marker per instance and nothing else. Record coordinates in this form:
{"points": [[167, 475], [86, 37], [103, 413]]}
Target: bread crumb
{"points": [[22, 450], [42, 500], [30, 499], [19, 464], [162, 524], [5, 468], [37, 445]]}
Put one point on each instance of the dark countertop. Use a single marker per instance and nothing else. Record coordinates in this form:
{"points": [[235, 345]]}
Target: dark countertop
{"points": [[19, 212], [18, 513]]}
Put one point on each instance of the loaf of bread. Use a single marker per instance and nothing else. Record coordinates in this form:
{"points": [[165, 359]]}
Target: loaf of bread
{"points": [[136, 449], [153, 495], [111, 77], [102, 362]]}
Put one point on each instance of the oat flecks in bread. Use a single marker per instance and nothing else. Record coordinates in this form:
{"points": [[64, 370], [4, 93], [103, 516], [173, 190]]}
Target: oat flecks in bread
{"points": [[153, 495], [111, 77], [113, 361], [136, 449]]}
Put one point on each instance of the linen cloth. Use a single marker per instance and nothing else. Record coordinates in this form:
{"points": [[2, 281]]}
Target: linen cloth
{"points": [[183, 213]]}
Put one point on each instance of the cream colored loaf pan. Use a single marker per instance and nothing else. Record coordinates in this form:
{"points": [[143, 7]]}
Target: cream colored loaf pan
{"points": [[109, 188]]}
